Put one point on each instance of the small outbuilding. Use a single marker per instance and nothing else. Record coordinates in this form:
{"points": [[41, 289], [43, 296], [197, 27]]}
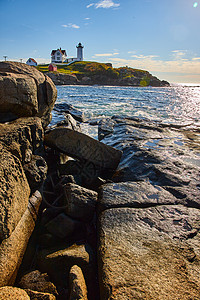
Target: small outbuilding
{"points": [[52, 67], [31, 62]]}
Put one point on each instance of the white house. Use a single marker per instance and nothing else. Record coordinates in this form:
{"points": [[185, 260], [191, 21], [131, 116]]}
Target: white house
{"points": [[58, 56], [31, 62]]}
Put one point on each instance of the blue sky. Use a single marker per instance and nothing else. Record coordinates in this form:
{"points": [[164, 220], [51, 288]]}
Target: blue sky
{"points": [[156, 35]]}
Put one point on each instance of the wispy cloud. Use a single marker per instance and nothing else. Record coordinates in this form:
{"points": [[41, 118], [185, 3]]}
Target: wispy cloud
{"points": [[196, 58], [143, 56], [104, 4], [90, 5], [189, 69], [106, 54], [179, 54], [70, 25], [87, 19]]}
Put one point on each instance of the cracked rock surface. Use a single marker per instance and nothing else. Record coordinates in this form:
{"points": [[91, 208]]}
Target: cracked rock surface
{"points": [[149, 228]]}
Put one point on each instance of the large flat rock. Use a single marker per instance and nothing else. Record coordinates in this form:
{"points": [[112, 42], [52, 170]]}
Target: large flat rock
{"points": [[149, 253], [83, 147], [133, 194], [166, 155]]}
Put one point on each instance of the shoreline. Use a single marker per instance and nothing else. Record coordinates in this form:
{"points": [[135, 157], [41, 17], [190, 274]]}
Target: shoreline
{"points": [[85, 213]]}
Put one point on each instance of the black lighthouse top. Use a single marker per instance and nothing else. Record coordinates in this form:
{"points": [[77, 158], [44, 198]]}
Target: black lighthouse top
{"points": [[79, 46]]}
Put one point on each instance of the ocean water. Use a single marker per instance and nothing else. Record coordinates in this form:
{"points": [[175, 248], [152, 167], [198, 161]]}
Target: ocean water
{"points": [[177, 104]]}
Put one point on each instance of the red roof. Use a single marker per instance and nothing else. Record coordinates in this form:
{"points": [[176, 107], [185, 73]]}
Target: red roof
{"points": [[54, 65], [33, 60], [63, 52]]}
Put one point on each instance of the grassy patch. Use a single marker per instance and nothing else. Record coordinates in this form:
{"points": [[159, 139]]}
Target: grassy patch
{"points": [[90, 68]]}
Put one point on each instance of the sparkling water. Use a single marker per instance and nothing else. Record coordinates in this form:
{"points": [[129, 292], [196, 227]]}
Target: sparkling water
{"points": [[175, 104]]}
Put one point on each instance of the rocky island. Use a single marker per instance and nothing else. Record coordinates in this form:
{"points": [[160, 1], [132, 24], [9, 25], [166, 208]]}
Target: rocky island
{"points": [[114, 218], [91, 73]]}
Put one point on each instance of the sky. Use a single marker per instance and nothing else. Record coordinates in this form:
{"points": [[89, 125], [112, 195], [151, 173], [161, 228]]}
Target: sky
{"points": [[159, 36]]}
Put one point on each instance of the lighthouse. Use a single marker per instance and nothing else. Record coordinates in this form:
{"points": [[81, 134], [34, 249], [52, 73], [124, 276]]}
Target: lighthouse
{"points": [[79, 51]]}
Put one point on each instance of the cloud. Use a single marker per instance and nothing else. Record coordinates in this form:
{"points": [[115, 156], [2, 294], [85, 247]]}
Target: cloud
{"points": [[175, 69], [90, 5], [106, 54], [104, 4], [196, 58], [87, 19], [70, 25], [179, 54], [143, 56], [190, 67]]}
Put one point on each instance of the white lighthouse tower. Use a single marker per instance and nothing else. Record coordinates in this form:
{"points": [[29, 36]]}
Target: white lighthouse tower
{"points": [[79, 51]]}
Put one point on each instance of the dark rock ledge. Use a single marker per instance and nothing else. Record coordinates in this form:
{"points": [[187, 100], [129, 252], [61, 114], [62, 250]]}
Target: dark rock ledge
{"points": [[83, 219]]}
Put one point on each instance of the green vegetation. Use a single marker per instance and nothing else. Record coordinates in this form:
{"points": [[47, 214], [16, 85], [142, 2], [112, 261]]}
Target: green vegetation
{"points": [[88, 68], [145, 81]]}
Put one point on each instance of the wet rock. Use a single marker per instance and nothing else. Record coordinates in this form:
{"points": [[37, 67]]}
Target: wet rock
{"points": [[14, 192], [78, 289], [68, 122], [72, 122], [58, 261], [23, 138], [30, 93], [80, 202], [81, 146], [36, 172], [149, 253], [39, 295], [63, 226], [13, 248], [105, 127], [163, 155], [133, 194], [69, 109], [37, 282], [10, 293]]}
